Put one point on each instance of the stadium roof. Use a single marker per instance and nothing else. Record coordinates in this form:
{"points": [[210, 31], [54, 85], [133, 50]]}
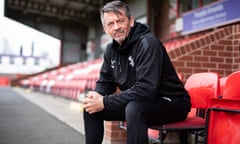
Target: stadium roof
{"points": [[70, 11]]}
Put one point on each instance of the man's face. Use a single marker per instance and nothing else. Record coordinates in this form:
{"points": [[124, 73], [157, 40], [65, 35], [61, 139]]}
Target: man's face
{"points": [[117, 25]]}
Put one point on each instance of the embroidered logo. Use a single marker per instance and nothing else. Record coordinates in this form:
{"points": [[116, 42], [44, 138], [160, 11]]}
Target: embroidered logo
{"points": [[113, 63], [131, 61]]}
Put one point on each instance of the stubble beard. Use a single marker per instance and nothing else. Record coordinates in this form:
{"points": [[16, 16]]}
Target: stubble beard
{"points": [[120, 38]]}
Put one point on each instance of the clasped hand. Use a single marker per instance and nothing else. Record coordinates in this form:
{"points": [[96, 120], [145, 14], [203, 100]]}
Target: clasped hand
{"points": [[93, 102]]}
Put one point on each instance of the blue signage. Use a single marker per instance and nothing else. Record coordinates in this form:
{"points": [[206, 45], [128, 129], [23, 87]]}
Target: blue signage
{"points": [[216, 14]]}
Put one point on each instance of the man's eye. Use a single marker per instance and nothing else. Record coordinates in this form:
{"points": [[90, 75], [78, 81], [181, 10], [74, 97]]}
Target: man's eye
{"points": [[110, 24], [121, 21]]}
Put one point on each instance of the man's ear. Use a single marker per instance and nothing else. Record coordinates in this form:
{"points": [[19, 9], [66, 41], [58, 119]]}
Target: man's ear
{"points": [[131, 21]]}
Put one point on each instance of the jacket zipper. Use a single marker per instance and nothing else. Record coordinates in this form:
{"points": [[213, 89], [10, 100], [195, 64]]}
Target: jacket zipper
{"points": [[119, 64]]}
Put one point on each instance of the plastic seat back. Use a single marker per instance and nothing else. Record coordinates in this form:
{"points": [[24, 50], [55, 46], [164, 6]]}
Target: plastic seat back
{"points": [[202, 87], [223, 126], [232, 86]]}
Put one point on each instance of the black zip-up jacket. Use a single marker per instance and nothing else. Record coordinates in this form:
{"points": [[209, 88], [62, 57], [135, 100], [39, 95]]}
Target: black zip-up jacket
{"points": [[142, 70]]}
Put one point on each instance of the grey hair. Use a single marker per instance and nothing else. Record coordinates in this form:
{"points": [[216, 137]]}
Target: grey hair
{"points": [[115, 6]]}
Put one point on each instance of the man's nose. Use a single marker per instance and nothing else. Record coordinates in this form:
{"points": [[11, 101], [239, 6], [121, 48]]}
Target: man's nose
{"points": [[116, 26]]}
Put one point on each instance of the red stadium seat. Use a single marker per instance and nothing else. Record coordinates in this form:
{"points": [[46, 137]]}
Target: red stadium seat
{"points": [[232, 86], [223, 126], [201, 87], [224, 114]]}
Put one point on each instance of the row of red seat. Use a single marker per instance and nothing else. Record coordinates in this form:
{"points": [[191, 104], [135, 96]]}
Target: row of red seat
{"points": [[220, 98], [69, 81]]}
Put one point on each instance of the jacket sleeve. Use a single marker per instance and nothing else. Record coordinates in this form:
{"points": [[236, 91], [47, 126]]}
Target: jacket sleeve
{"points": [[105, 84], [149, 64]]}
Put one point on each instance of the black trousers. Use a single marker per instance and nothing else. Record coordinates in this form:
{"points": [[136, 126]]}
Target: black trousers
{"points": [[139, 116]]}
